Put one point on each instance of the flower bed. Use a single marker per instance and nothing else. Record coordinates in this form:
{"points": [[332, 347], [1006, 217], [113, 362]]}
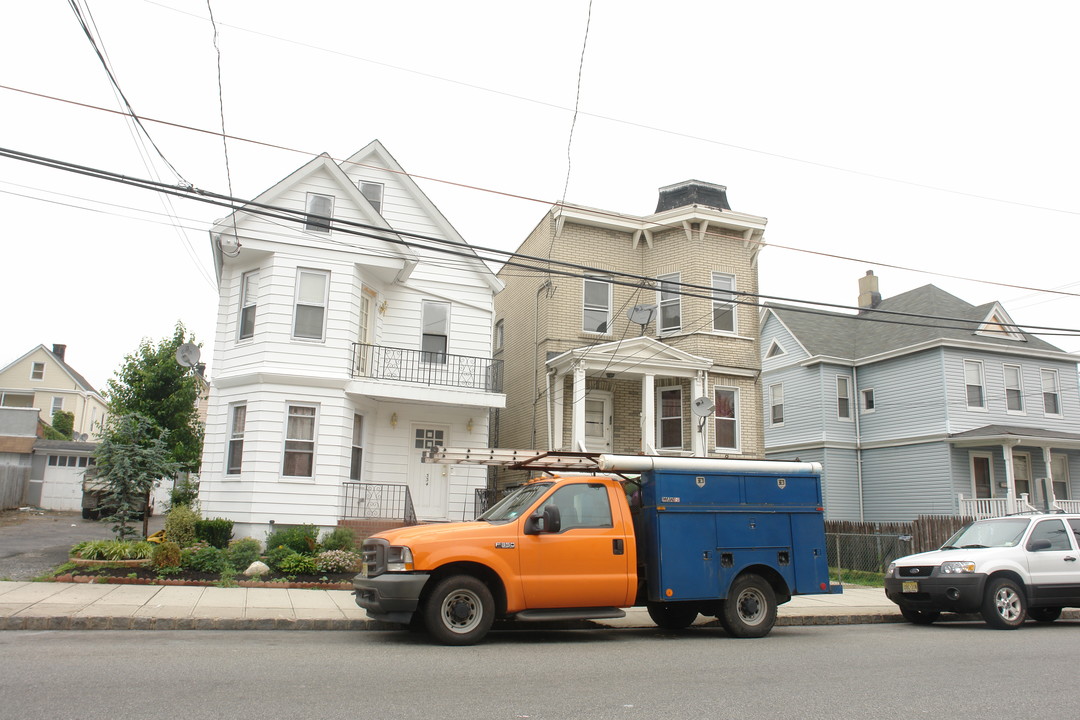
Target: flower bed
{"points": [[115, 573]]}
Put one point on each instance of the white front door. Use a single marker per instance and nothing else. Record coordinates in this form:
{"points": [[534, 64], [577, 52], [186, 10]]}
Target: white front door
{"points": [[598, 421], [428, 481]]}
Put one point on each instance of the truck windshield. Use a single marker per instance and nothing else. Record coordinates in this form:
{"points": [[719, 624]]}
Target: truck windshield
{"points": [[1006, 532], [516, 503]]}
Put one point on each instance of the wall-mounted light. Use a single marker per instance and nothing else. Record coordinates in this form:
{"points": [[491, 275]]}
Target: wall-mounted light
{"points": [[468, 425], [393, 420], [382, 307]]}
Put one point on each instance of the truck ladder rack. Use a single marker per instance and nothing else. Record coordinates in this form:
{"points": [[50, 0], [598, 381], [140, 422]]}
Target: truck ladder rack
{"points": [[515, 459]]}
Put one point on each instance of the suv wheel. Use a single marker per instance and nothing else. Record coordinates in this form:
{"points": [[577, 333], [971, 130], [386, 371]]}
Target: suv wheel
{"points": [[919, 617], [1004, 606], [1044, 614]]}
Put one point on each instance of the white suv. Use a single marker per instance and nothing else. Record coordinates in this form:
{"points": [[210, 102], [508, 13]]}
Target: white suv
{"points": [[1007, 569]]}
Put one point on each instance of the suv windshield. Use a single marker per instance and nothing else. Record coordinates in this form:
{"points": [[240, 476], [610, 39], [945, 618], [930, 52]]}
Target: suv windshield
{"points": [[514, 504], [1006, 532]]}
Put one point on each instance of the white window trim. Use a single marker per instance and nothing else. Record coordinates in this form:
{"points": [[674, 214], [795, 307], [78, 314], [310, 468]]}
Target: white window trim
{"points": [[424, 304], [57, 405], [862, 399], [33, 368], [240, 337], [676, 301], [660, 417], [315, 226], [845, 380], [499, 335], [972, 454], [772, 403], [607, 309], [231, 437], [325, 303], [354, 444], [314, 442], [1057, 392], [1005, 386], [377, 204], [735, 417], [730, 301], [982, 384], [775, 350]]}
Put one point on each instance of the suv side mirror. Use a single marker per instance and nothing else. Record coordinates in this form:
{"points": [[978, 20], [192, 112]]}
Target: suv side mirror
{"points": [[1036, 545], [550, 521]]}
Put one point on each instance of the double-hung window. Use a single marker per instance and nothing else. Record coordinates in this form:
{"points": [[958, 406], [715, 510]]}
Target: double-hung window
{"points": [[57, 404], [235, 457], [309, 316], [670, 302], [436, 321], [723, 308], [320, 210], [299, 459], [373, 193], [37, 371], [776, 403], [596, 308], [249, 299], [1051, 398], [1014, 389], [669, 417], [843, 397], [727, 418], [357, 447], [973, 382]]}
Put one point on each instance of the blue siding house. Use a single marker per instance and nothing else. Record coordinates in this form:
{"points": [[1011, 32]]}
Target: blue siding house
{"points": [[921, 404]]}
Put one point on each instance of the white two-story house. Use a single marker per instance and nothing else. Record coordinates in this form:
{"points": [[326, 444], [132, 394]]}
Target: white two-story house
{"points": [[354, 332], [922, 404]]}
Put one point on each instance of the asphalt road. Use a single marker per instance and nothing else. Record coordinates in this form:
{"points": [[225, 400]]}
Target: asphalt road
{"points": [[890, 671], [33, 542]]}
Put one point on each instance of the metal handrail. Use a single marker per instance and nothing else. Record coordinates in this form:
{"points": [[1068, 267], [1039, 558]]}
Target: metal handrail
{"points": [[426, 367], [368, 501]]}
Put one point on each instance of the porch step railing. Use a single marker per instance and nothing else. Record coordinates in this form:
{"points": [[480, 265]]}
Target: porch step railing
{"points": [[1069, 506], [980, 508], [378, 501]]}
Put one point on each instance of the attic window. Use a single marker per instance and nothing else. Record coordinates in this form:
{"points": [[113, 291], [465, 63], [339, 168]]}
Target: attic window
{"points": [[775, 350], [373, 193], [998, 324], [37, 371], [320, 209]]}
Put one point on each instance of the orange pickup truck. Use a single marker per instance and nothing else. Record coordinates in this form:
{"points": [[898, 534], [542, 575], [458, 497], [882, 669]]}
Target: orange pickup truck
{"points": [[680, 536]]}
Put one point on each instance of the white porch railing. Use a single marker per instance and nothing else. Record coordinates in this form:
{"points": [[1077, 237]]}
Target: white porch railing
{"points": [[1069, 506], [980, 508]]}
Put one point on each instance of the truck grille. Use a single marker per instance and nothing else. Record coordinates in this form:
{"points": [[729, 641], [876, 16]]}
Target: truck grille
{"points": [[916, 571], [373, 556]]}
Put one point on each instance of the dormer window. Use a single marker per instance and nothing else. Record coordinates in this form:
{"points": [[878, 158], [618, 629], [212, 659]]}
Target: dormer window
{"points": [[373, 193], [320, 210]]}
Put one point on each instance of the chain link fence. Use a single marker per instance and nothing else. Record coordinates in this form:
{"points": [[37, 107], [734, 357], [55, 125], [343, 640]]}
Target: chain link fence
{"points": [[863, 558]]}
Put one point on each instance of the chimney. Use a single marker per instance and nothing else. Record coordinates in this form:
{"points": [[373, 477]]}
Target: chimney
{"points": [[869, 297], [692, 192], [59, 350]]}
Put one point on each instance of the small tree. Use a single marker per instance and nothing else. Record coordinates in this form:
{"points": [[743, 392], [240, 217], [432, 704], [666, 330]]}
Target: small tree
{"points": [[63, 422], [131, 459]]}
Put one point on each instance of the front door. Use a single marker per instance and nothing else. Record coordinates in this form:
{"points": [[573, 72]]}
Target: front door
{"points": [[982, 475], [428, 481], [598, 421]]}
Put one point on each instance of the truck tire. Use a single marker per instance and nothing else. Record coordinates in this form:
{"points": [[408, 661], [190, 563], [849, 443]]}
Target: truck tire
{"points": [[459, 611], [1044, 614], [919, 617], [672, 616], [1004, 606], [750, 608]]}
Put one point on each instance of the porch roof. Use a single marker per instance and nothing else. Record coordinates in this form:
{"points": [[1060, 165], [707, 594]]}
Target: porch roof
{"points": [[1016, 435], [634, 357]]}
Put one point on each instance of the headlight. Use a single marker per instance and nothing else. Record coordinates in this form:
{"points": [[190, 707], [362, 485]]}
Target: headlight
{"points": [[891, 572], [954, 567], [398, 559]]}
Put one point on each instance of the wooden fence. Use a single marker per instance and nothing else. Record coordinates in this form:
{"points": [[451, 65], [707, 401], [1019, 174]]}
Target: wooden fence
{"points": [[871, 546], [12, 480]]}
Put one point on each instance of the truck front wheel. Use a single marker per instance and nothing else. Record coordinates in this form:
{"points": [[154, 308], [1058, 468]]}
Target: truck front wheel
{"points": [[750, 608], [672, 616], [459, 611]]}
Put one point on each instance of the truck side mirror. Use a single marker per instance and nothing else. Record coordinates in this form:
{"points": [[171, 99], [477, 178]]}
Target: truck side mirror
{"points": [[549, 521]]}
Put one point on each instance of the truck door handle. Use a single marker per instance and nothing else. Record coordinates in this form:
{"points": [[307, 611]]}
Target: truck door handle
{"points": [[617, 546]]}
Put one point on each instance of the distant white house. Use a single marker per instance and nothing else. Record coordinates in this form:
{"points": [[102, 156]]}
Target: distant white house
{"points": [[347, 343]]}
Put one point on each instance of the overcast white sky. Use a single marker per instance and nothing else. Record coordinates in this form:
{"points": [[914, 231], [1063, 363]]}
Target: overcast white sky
{"points": [[937, 136]]}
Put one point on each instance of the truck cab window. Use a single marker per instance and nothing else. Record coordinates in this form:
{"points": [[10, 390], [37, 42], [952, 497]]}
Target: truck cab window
{"points": [[581, 506]]}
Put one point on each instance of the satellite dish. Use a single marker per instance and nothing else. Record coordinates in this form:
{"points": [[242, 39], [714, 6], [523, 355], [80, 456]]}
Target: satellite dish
{"points": [[702, 406], [641, 314], [188, 354]]}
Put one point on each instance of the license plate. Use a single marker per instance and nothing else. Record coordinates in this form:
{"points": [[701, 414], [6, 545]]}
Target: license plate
{"points": [[910, 586]]}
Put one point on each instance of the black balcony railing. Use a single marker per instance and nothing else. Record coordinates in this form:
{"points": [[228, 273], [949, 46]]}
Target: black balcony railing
{"points": [[370, 501], [426, 367]]}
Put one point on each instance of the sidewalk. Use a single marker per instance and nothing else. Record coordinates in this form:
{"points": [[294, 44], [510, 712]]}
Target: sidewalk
{"points": [[83, 606]]}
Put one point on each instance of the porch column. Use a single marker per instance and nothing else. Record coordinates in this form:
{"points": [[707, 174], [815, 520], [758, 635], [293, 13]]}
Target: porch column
{"points": [[1048, 487], [698, 431], [648, 414], [1010, 479], [577, 422], [557, 431]]}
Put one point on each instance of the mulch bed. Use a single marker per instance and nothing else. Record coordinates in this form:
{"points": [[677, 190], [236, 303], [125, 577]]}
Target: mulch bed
{"points": [[149, 576]]}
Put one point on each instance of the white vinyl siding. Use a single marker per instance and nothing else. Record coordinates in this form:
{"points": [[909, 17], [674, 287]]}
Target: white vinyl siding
{"points": [[373, 193], [309, 313], [670, 303]]}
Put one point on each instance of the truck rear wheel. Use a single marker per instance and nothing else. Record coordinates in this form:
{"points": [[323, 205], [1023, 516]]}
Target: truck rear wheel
{"points": [[672, 616], [750, 608], [459, 611]]}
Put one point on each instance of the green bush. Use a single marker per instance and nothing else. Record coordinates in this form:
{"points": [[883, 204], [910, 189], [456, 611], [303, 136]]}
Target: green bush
{"points": [[300, 538], [297, 564], [275, 555], [241, 553], [217, 532], [166, 555], [113, 550], [180, 525], [340, 538], [206, 559], [337, 561], [185, 493]]}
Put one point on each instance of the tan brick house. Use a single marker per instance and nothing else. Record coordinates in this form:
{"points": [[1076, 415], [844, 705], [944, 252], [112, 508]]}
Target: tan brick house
{"points": [[586, 371]]}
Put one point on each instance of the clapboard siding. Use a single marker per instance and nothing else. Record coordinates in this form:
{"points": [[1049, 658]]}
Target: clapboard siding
{"points": [[900, 483], [908, 394]]}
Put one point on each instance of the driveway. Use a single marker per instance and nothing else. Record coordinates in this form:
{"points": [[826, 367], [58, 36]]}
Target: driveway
{"points": [[34, 541]]}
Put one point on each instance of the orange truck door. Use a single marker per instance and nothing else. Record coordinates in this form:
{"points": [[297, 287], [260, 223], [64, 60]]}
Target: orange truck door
{"points": [[585, 564]]}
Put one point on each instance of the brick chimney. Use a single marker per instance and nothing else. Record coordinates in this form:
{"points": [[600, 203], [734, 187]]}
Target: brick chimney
{"points": [[692, 192], [59, 350], [869, 297]]}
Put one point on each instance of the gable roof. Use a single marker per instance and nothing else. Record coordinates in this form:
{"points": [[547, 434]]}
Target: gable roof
{"points": [[81, 382], [854, 337]]}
